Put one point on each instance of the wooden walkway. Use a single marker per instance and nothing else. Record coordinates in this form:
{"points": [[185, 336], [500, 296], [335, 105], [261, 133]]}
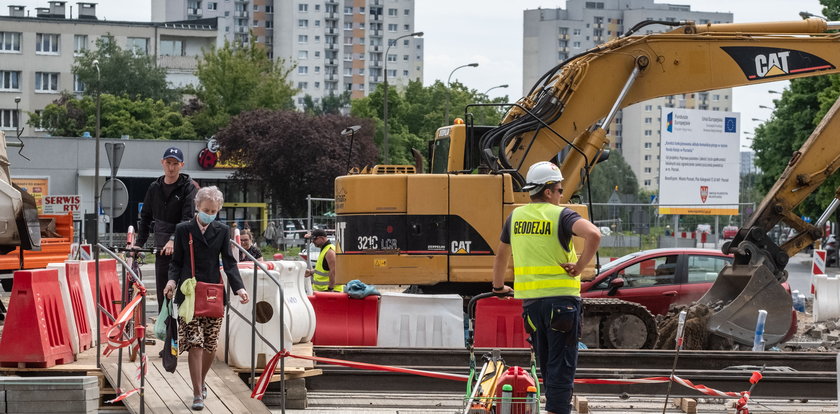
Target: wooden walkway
{"points": [[172, 392]]}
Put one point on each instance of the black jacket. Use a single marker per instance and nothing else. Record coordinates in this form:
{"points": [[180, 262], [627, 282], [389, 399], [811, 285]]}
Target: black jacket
{"points": [[207, 247], [166, 212]]}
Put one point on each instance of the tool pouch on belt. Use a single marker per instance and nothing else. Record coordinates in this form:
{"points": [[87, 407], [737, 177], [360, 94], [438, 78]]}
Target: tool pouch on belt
{"points": [[564, 317]]}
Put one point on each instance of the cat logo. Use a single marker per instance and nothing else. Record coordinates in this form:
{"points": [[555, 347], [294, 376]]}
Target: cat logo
{"points": [[769, 62], [461, 247]]}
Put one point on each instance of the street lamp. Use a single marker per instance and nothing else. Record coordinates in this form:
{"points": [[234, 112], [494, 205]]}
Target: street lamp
{"points": [[96, 201], [776, 92], [448, 86], [387, 157], [487, 92], [18, 130], [765, 107], [759, 120]]}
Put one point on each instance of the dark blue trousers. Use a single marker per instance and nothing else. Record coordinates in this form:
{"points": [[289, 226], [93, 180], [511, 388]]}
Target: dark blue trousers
{"points": [[556, 322]]}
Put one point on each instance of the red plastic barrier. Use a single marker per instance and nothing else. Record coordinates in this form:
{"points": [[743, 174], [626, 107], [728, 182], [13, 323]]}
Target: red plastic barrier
{"points": [[77, 301], [499, 324], [110, 294], [278, 256], [36, 334], [341, 320]]}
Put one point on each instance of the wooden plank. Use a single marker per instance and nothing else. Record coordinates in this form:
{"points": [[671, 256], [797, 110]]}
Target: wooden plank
{"points": [[166, 392], [304, 374], [224, 394], [237, 387], [153, 402]]}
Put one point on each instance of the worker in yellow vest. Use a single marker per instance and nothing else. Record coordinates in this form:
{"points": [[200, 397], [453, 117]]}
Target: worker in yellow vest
{"points": [[546, 272], [323, 276]]}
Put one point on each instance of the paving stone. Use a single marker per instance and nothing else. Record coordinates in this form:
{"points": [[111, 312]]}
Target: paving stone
{"points": [[53, 395], [89, 406]]}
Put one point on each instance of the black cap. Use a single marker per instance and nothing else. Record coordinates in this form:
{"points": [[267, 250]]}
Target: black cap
{"points": [[317, 233], [173, 152]]}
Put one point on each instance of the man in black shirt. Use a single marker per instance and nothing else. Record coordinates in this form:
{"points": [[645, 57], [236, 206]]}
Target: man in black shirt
{"points": [[169, 200]]}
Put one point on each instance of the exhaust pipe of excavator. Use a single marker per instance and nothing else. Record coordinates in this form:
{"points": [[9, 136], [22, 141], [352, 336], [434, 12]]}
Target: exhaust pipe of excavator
{"points": [[739, 292]]}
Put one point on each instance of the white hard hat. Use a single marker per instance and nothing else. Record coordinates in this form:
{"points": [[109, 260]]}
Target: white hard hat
{"points": [[540, 174]]}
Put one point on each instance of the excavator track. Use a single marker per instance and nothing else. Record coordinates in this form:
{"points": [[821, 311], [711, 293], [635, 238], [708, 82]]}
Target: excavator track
{"points": [[620, 324]]}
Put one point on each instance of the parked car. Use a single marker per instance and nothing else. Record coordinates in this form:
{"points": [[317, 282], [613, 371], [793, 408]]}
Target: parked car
{"points": [[658, 278], [729, 232]]}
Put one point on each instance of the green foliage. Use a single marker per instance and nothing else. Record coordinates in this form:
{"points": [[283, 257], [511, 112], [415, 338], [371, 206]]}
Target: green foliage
{"points": [[122, 72], [330, 104], [69, 116], [295, 154], [238, 78], [605, 177], [417, 111]]}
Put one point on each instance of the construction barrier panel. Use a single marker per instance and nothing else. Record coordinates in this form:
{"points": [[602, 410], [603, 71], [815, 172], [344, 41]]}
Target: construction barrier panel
{"points": [[499, 324], [79, 306], [110, 293], [299, 314], [826, 297], [267, 302], [35, 333], [75, 269], [344, 321], [421, 321]]}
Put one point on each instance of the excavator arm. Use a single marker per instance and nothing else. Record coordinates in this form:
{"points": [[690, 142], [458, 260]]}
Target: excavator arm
{"points": [[571, 111]]}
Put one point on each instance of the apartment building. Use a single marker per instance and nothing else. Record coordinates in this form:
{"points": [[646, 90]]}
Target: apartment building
{"points": [[336, 45], [553, 35], [38, 52]]}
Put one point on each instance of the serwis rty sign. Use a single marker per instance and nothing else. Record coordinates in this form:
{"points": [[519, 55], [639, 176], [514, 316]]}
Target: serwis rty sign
{"points": [[63, 204]]}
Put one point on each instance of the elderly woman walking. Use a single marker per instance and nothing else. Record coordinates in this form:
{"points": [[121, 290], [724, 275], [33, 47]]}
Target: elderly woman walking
{"points": [[194, 274]]}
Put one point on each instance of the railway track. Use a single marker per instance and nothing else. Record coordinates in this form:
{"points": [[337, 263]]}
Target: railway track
{"points": [[787, 375]]}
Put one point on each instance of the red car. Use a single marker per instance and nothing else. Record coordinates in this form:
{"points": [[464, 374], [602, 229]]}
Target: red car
{"points": [[658, 278], [729, 232]]}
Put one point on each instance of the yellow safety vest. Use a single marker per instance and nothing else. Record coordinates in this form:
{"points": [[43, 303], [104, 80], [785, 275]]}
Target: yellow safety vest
{"points": [[538, 254], [321, 277]]}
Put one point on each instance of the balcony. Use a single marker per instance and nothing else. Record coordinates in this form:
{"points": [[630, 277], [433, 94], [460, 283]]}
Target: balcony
{"points": [[330, 31], [376, 63], [563, 37], [376, 33], [375, 48], [376, 18], [331, 16], [330, 62], [242, 29], [194, 12], [178, 62], [241, 13]]}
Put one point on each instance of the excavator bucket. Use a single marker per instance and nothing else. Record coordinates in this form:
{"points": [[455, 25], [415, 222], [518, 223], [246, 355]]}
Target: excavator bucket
{"points": [[737, 295]]}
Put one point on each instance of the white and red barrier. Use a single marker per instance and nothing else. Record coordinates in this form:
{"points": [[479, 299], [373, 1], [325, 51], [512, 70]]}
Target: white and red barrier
{"points": [[818, 265]]}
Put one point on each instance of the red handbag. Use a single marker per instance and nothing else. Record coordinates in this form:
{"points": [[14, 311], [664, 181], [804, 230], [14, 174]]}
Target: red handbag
{"points": [[209, 297]]}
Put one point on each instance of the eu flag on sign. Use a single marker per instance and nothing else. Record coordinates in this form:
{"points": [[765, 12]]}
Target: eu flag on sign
{"points": [[730, 124]]}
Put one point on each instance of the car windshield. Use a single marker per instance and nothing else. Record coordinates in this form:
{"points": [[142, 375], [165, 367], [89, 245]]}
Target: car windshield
{"points": [[620, 260]]}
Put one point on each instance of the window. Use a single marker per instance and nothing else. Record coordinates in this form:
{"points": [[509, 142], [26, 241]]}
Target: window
{"points": [[8, 119], [80, 44], [317, 69], [647, 170], [317, 23], [648, 145], [317, 85], [303, 54], [10, 42], [348, 10], [78, 85], [303, 7], [705, 269], [212, 5], [303, 23], [46, 43], [9, 80], [576, 45], [303, 85], [392, 12], [648, 120], [647, 183], [405, 58], [392, 58], [46, 81], [317, 53], [348, 25], [647, 157], [303, 38], [654, 271], [139, 45], [576, 32], [172, 48], [405, 42], [392, 27], [270, 9], [406, 27], [303, 70], [405, 73], [648, 107], [406, 12], [348, 40], [648, 132]]}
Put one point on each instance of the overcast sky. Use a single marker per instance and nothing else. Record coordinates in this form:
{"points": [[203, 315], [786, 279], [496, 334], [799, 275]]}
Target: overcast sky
{"points": [[489, 32]]}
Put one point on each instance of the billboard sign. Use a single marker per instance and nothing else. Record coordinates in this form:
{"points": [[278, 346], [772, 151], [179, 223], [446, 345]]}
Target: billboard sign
{"points": [[699, 162]]}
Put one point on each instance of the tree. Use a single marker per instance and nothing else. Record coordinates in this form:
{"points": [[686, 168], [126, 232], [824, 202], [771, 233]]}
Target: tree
{"points": [[330, 104], [416, 112], [122, 72], [69, 116], [238, 78], [295, 154], [608, 176]]}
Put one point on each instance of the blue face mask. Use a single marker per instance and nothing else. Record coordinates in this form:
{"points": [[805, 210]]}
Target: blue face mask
{"points": [[206, 218]]}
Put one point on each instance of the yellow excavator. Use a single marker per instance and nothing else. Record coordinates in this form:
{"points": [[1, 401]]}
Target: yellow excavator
{"points": [[437, 230], [19, 224]]}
